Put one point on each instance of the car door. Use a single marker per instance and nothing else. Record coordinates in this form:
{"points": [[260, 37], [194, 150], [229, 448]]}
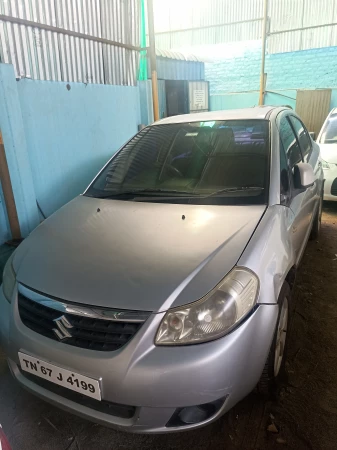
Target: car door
{"points": [[310, 155], [297, 200]]}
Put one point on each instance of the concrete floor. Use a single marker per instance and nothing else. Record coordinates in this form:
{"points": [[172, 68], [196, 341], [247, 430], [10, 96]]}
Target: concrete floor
{"points": [[304, 415]]}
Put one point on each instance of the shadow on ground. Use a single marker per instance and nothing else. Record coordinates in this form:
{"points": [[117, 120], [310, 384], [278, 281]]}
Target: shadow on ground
{"points": [[304, 414]]}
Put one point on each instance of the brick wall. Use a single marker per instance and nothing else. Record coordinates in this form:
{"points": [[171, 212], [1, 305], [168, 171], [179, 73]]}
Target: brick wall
{"points": [[308, 69]]}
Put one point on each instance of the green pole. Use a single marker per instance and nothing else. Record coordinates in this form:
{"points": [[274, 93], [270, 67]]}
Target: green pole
{"points": [[143, 60]]}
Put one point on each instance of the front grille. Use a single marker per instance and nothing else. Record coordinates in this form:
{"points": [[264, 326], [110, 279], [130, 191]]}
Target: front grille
{"points": [[86, 332], [334, 187], [113, 409]]}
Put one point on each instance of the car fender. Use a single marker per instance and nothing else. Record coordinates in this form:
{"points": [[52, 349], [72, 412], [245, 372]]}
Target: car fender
{"points": [[270, 253]]}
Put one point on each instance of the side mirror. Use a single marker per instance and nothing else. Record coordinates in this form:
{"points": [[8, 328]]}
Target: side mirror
{"points": [[304, 176], [313, 135]]}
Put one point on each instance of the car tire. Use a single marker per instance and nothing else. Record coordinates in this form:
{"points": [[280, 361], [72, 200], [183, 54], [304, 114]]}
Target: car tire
{"points": [[316, 226], [274, 369]]}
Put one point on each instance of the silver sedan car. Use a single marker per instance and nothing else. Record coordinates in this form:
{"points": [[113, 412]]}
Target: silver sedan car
{"points": [[159, 298]]}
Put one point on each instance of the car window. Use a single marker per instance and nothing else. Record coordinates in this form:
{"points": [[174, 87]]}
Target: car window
{"points": [[329, 132], [289, 142], [303, 137], [217, 162], [284, 174]]}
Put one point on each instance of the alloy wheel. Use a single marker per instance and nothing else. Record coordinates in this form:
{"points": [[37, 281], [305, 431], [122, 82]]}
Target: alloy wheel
{"points": [[281, 337]]}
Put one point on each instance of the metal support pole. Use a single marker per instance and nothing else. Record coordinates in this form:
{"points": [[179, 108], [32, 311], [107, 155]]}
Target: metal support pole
{"points": [[153, 62], [263, 60], [8, 193]]}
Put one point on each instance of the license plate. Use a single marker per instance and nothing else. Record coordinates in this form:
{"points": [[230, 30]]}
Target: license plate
{"points": [[62, 377]]}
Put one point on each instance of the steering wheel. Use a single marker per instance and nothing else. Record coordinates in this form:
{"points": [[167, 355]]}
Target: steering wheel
{"points": [[174, 170]]}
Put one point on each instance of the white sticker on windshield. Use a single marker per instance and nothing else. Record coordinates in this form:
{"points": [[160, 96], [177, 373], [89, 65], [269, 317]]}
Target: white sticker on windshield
{"points": [[191, 134]]}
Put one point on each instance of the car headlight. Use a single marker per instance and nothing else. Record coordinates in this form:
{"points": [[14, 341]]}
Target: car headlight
{"points": [[325, 165], [214, 315], [8, 279]]}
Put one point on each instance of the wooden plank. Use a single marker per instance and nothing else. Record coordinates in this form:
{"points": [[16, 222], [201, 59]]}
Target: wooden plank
{"points": [[313, 107], [8, 193]]}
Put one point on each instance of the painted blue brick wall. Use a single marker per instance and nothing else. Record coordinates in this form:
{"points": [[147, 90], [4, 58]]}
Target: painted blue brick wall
{"points": [[286, 72], [308, 69], [234, 74]]}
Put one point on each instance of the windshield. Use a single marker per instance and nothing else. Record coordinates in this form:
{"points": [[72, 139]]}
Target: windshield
{"points": [[219, 162], [329, 133]]}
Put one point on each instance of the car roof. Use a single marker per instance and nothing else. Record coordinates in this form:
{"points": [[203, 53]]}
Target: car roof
{"points": [[257, 112]]}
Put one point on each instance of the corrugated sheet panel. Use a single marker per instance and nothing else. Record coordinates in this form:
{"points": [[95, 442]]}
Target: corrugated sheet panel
{"points": [[303, 40], [187, 23], [196, 22], [289, 15], [176, 55], [289, 42], [319, 12], [183, 14], [214, 35], [172, 69], [285, 14], [49, 55]]}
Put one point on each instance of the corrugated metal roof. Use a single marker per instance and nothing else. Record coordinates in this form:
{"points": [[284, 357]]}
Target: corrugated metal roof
{"points": [[180, 15], [195, 22], [285, 15], [303, 40], [176, 69], [176, 55], [190, 23], [215, 35], [50, 55]]}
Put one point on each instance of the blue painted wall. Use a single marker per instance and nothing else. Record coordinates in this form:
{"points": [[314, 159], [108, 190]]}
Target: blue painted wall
{"points": [[146, 107], [4, 226], [248, 99], [146, 104], [286, 72], [71, 131], [13, 134], [57, 136]]}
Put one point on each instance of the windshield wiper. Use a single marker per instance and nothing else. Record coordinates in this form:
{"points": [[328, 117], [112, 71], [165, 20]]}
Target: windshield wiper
{"points": [[235, 189], [135, 192]]}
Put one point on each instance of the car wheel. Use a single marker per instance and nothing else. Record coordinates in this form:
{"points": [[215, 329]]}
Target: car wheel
{"points": [[273, 371], [316, 226]]}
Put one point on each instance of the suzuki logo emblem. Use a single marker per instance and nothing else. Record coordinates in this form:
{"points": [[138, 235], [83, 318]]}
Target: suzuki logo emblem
{"points": [[63, 326]]}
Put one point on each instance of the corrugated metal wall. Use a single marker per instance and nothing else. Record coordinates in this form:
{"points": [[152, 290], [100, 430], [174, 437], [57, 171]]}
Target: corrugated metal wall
{"points": [[173, 69], [195, 22], [294, 24], [302, 24], [55, 55]]}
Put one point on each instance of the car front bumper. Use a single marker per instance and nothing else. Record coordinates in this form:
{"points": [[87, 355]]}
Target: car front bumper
{"points": [[330, 175], [154, 380]]}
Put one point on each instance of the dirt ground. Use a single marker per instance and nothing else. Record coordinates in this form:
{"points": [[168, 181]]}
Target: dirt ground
{"points": [[303, 417]]}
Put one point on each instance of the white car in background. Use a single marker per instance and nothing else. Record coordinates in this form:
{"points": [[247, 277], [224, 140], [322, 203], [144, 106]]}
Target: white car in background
{"points": [[327, 140]]}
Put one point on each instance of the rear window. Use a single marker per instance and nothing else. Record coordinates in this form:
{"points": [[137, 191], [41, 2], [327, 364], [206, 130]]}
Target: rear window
{"points": [[214, 162], [329, 132]]}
